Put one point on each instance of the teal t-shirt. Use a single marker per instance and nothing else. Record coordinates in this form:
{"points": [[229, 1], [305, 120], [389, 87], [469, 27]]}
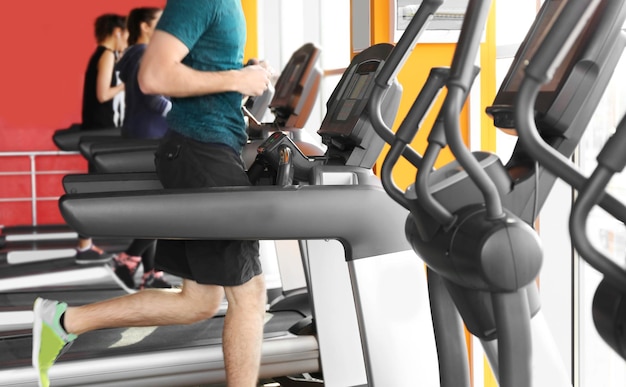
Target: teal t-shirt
{"points": [[215, 33]]}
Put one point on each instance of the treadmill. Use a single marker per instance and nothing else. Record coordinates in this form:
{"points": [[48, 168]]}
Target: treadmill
{"points": [[358, 264], [90, 142], [297, 87], [13, 234], [53, 268], [68, 139], [290, 102], [131, 167]]}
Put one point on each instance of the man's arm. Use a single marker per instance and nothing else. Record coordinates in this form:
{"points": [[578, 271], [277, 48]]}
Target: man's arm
{"points": [[162, 72]]}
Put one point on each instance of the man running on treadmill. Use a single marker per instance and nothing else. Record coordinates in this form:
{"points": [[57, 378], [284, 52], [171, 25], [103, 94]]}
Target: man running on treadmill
{"points": [[195, 57]]}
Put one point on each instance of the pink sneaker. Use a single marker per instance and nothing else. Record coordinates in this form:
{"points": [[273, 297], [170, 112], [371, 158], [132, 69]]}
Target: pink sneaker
{"points": [[93, 254], [154, 279], [125, 267]]}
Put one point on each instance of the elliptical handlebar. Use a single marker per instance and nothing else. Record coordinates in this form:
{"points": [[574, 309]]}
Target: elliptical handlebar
{"points": [[459, 82], [436, 142], [393, 64], [608, 308], [611, 160], [608, 304], [459, 85], [406, 43], [407, 131], [538, 72]]}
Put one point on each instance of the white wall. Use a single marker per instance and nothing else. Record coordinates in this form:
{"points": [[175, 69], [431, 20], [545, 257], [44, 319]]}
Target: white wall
{"points": [[286, 25]]}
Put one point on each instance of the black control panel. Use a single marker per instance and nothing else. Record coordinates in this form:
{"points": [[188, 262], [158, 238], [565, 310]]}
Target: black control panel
{"points": [[346, 129], [271, 159]]}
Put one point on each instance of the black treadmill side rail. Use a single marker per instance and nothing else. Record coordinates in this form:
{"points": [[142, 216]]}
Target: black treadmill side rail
{"points": [[68, 139], [361, 217], [110, 182]]}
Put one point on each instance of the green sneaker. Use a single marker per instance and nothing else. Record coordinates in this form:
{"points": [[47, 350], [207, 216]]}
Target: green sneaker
{"points": [[49, 338]]}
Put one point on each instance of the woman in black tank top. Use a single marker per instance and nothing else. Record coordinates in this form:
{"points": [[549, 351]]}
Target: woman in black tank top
{"points": [[101, 84], [98, 92]]}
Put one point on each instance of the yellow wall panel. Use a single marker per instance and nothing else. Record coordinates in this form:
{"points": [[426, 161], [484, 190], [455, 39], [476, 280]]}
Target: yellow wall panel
{"points": [[412, 77], [488, 82], [381, 19], [250, 9]]}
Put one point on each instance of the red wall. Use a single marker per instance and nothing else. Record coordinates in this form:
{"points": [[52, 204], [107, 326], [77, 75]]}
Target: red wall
{"points": [[45, 48]]}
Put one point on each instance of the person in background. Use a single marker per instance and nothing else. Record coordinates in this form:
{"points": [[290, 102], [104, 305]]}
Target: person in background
{"points": [[144, 118], [100, 85], [196, 57], [145, 113], [99, 89]]}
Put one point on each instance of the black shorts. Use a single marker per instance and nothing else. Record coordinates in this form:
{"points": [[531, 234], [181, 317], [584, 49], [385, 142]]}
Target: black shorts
{"points": [[185, 163]]}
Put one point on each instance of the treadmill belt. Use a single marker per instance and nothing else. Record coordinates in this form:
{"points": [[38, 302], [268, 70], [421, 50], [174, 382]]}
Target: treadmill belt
{"points": [[49, 266], [28, 229], [16, 308], [104, 243], [16, 351], [71, 295]]}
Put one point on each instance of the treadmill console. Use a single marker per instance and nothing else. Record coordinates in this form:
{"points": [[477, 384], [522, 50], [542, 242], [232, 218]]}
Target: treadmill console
{"points": [[346, 129], [296, 88], [271, 154]]}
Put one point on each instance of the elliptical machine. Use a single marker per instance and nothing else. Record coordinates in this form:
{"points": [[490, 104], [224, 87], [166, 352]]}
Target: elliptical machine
{"points": [[470, 221]]}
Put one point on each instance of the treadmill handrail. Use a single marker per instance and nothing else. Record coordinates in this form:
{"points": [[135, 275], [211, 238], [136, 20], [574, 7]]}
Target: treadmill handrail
{"points": [[362, 217]]}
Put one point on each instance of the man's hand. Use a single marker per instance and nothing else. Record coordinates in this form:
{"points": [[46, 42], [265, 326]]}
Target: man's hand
{"points": [[253, 80]]}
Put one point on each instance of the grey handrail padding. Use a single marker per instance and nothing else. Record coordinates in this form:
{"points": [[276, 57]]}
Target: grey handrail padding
{"points": [[362, 217], [68, 139]]}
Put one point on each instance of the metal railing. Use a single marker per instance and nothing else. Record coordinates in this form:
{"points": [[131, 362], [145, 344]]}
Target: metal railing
{"points": [[32, 172]]}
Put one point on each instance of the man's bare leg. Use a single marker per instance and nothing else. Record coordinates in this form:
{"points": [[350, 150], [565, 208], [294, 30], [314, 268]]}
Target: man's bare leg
{"points": [[151, 307], [243, 332]]}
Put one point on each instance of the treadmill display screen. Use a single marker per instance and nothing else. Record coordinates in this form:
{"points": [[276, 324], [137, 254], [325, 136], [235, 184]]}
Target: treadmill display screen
{"points": [[356, 90], [358, 87], [295, 88], [346, 128], [346, 108], [292, 78]]}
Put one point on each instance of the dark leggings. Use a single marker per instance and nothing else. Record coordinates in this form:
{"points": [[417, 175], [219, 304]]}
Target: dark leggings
{"points": [[144, 248]]}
